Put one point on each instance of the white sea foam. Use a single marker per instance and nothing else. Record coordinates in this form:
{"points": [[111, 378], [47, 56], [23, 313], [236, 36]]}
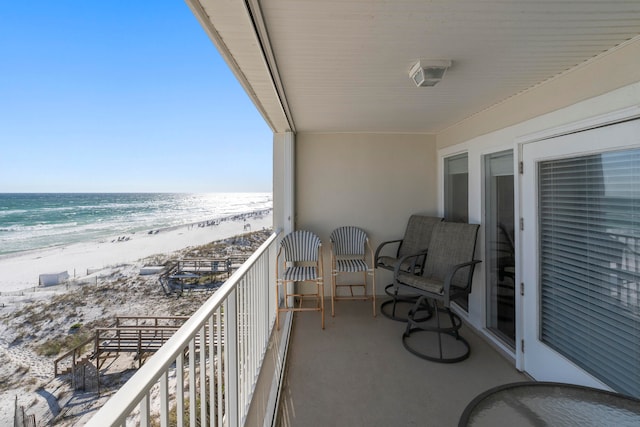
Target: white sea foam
{"points": [[38, 221]]}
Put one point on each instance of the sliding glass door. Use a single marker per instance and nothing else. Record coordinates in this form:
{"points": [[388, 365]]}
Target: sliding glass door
{"points": [[499, 260], [581, 258], [456, 198]]}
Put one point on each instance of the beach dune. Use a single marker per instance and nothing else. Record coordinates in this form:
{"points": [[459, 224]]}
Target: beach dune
{"points": [[21, 271]]}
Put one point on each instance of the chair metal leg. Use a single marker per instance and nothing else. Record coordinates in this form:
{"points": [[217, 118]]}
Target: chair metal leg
{"points": [[396, 299], [414, 327]]}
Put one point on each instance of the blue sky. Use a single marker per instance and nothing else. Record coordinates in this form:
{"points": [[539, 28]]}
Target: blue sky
{"points": [[111, 96]]}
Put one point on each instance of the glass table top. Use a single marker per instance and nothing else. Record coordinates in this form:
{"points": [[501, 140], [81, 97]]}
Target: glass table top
{"points": [[550, 404]]}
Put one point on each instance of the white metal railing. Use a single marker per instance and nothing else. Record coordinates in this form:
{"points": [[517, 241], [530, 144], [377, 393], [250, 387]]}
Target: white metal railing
{"points": [[214, 359]]}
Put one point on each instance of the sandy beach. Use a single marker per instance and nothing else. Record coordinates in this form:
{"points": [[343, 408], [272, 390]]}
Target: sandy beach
{"points": [[32, 316], [22, 271]]}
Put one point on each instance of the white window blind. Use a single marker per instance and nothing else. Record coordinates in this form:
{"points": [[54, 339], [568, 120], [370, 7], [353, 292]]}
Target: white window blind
{"points": [[589, 213]]}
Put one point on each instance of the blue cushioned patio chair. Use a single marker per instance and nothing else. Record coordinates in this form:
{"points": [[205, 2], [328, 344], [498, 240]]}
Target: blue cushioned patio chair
{"points": [[301, 256], [447, 274], [415, 242], [349, 249]]}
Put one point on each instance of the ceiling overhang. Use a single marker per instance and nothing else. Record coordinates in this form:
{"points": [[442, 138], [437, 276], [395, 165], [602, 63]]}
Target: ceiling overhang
{"points": [[343, 65], [234, 32]]}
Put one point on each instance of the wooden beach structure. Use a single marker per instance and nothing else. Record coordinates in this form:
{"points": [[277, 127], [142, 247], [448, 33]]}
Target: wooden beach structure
{"points": [[130, 334], [138, 335], [198, 274]]}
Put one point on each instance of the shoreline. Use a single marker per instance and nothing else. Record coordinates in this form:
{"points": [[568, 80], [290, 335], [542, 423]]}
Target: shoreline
{"points": [[142, 232], [21, 270]]}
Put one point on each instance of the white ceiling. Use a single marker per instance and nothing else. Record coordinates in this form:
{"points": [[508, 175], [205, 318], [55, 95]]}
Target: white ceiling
{"points": [[343, 64]]}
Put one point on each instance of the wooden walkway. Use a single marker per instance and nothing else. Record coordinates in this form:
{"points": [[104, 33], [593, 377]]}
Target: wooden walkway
{"points": [[141, 335], [140, 340], [198, 274], [135, 334]]}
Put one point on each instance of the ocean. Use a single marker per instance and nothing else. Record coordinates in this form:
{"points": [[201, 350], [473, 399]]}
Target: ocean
{"points": [[40, 220]]}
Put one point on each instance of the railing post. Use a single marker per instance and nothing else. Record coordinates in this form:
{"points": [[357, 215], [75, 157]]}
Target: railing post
{"points": [[139, 348], [164, 400], [203, 377], [221, 367], [180, 389], [145, 410], [192, 382], [231, 359], [211, 372]]}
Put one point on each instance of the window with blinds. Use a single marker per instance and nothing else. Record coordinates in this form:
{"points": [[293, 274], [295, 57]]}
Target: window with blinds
{"points": [[456, 188], [589, 213], [456, 198]]}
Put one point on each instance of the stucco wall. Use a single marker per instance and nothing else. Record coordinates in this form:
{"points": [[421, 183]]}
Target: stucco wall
{"points": [[374, 181]]}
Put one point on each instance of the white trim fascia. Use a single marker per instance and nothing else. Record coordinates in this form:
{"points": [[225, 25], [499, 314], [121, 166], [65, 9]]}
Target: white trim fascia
{"points": [[255, 11], [549, 80], [517, 236], [454, 150], [606, 119], [289, 182], [202, 17]]}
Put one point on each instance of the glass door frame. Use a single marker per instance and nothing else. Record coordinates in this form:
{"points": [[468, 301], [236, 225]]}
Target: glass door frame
{"points": [[495, 332]]}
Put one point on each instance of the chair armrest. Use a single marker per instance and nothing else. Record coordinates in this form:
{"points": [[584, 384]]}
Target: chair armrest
{"points": [[379, 248], [452, 272], [396, 268]]}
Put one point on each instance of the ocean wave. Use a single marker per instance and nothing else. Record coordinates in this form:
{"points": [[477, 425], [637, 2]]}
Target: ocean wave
{"points": [[21, 228], [51, 220], [10, 212]]}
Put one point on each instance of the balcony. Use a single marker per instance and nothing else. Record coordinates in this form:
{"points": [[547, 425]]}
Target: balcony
{"points": [[229, 359], [357, 373]]}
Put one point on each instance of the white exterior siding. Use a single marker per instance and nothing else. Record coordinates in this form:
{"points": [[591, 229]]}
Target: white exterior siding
{"points": [[508, 138], [573, 95]]}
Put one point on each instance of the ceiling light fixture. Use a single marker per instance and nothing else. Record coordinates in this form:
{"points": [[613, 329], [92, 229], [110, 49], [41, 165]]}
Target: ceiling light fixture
{"points": [[428, 72]]}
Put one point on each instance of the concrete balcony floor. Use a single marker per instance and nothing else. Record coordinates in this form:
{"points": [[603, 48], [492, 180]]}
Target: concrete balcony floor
{"points": [[356, 372]]}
